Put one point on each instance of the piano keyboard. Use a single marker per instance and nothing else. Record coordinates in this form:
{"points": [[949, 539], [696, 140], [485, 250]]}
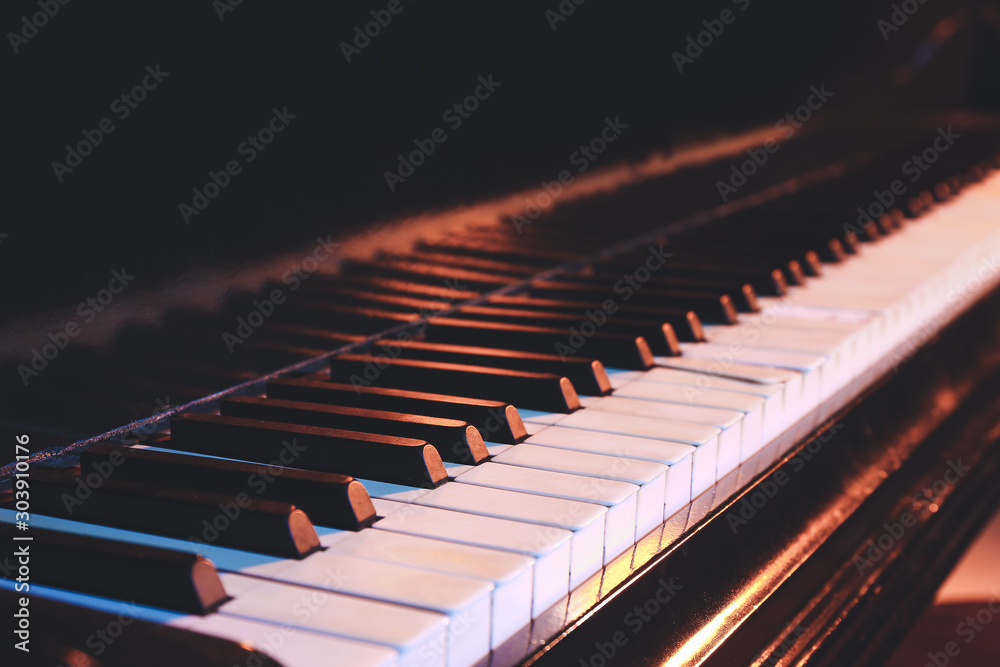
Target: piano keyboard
{"points": [[437, 498]]}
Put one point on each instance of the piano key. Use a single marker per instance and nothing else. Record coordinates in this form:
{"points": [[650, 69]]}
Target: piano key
{"points": [[241, 522], [620, 498], [764, 282], [751, 406], [396, 286], [497, 420], [392, 459], [468, 261], [61, 629], [197, 638], [542, 391], [686, 323], [729, 422], [333, 500], [743, 294], [659, 335], [705, 439], [223, 558], [758, 377], [423, 272], [651, 478], [675, 456], [611, 349], [178, 581], [455, 441], [418, 636], [716, 308], [809, 366], [587, 375], [511, 574], [585, 520], [550, 547]]}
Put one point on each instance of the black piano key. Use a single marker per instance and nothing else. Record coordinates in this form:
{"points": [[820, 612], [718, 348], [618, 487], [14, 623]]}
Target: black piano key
{"points": [[175, 580], [250, 524], [538, 391], [743, 293], [477, 263], [709, 256], [587, 375], [711, 307], [336, 501], [767, 282], [496, 421], [660, 335], [442, 291], [380, 457], [423, 272], [686, 323], [613, 350], [382, 300], [504, 252], [63, 634], [346, 319], [456, 441]]}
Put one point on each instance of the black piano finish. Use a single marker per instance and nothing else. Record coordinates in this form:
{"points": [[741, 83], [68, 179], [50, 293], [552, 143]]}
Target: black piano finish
{"points": [[780, 584]]}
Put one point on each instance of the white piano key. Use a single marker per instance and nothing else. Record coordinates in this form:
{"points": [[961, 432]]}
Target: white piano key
{"points": [[727, 421], [695, 385], [704, 438], [792, 405], [420, 637], [809, 366], [620, 498], [550, 547], [752, 407], [290, 646], [511, 574], [651, 478], [585, 520], [467, 602], [676, 456]]}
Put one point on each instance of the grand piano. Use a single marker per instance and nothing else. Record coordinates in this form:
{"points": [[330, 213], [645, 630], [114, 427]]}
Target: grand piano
{"points": [[568, 335]]}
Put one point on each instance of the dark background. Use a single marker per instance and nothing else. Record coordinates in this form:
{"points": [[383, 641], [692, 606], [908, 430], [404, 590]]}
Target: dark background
{"points": [[325, 173]]}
